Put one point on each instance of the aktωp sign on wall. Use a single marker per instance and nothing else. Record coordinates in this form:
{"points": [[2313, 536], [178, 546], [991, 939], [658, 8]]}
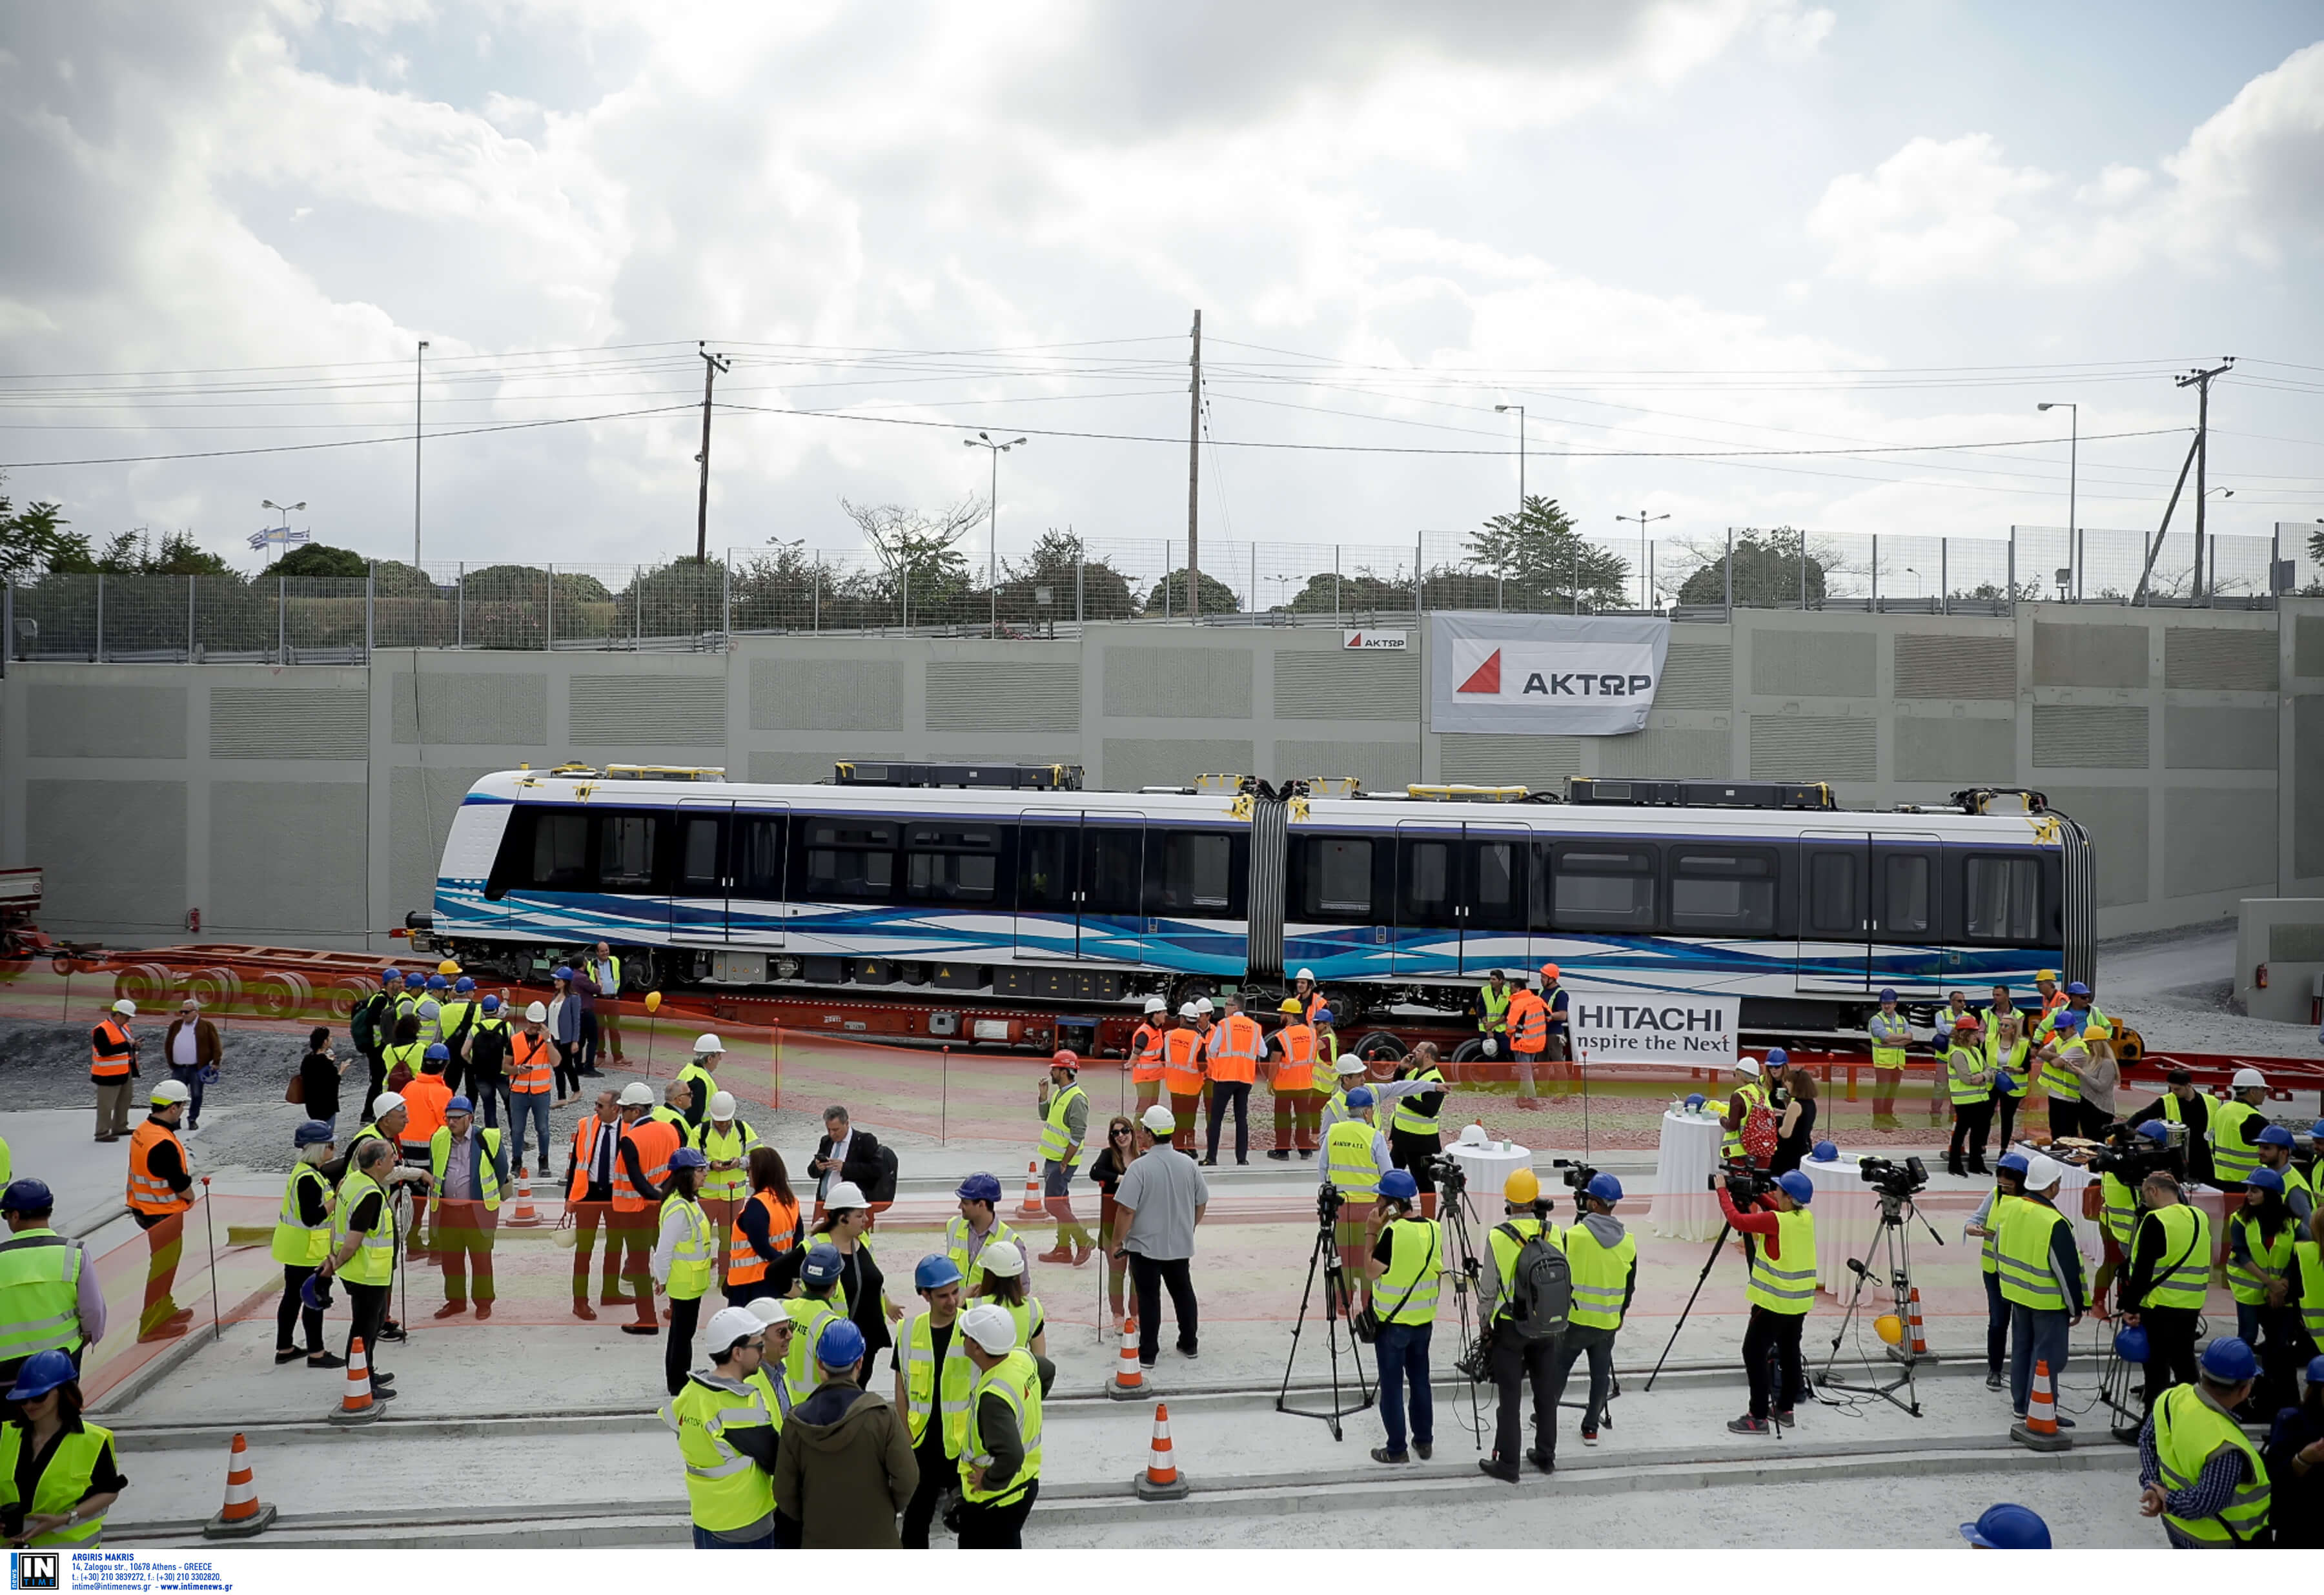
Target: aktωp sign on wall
{"points": [[1619, 1027], [1547, 674]]}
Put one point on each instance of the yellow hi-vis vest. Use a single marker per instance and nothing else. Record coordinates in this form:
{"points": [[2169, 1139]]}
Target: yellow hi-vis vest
{"points": [[774, 1392], [1016, 1380], [374, 1261], [1730, 1141], [1994, 1216], [2059, 1080], [2183, 1277], [2026, 1279], [488, 1179], [2245, 1274], [965, 1250], [725, 1489], [1409, 1120], [928, 1388], [1348, 1160], [1785, 1285], [2011, 1063], [809, 1315], [1495, 1020], [2311, 1288], [1961, 1064], [2189, 1431], [61, 1484], [692, 1260], [1599, 1276], [297, 1244], [2233, 1157], [1057, 1135], [39, 1293], [731, 1145], [2119, 1209], [1407, 1291], [1890, 1034], [705, 1086]]}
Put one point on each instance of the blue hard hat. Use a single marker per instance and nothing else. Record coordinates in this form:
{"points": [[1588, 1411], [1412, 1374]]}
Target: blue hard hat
{"points": [[2067, 1019], [688, 1158], [936, 1272], [2316, 1130], [2275, 1135], [27, 1196], [1605, 1188], [2265, 1179], [1887, 993], [822, 1265], [391, 977], [437, 1053], [839, 1345], [1798, 1186], [437, 982], [562, 972], [2154, 1129], [1399, 1187], [2014, 1163], [1695, 1101], [2005, 1080], [2130, 1344], [2009, 1528], [464, 984], [313, 1133], [2229, 1360], [460, 1105], [1361, 1097], [1322, 1015], [2315, 1375], [979, 1188], [42, 1372], [1777, 1056], [492, 1005], [2076, 988], [315, 1293], [1825, 1152]]}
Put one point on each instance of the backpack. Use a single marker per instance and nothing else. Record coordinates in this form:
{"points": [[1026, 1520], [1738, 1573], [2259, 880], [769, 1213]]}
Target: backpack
{"points": [[363, 1027], [1540, 1288], [884, 1190]]}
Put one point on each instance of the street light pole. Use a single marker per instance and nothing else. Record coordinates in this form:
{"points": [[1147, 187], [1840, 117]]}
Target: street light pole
{"points": [[992, 521], [1501, 575], [1643, 520], [2073, 484], [419, 369]]}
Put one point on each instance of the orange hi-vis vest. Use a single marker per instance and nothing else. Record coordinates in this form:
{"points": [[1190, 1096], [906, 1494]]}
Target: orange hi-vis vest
{"points": [[656, 1140], [585, 1147], [1146, 1054], [148, 1192], [1315, 1005], [1297, 1071], [108, 1051], [746, 1266], [530, 1069], [423, 1105], [1182, 1061], [1528, 1020], [1240, 1042]]}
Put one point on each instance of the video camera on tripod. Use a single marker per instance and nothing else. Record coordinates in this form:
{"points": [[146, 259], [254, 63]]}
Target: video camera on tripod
{"points": [[1897, 1182], [1451, 1179], [1575, 1176], [1745, 1181]]}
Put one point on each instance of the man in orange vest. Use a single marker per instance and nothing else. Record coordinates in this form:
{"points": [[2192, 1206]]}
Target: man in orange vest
{"points": [[589, 1200], [1310, 995], [641, 1180], [1528, 1021], [1182, 1075], [1235, 1046], [1292, 1081], [424, 1102], [112, 1064], [1145, 1053], [160, 1190], [531, 1076]]}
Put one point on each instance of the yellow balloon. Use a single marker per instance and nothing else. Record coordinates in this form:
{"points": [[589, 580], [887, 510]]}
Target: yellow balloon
{"points": [[1889, 1328], [653, 1000]]}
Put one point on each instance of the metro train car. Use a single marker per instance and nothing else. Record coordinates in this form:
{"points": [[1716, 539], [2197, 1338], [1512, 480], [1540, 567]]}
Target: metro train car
{"points": [[1008, 880]]}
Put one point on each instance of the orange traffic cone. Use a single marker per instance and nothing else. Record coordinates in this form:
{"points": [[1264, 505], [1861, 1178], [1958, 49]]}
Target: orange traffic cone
{"points": [[1032, 1205], [1918, 1334], [243, 1514], [356, 1406], [1160, 1480], [1128, 1379], [522, 1215], [2039, 1431]]}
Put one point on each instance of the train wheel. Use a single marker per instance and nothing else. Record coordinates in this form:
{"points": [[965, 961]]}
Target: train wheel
{"points": [[1192, 987], [344, 994], [215, 988], [1379, 1044], [1347, 1006], [280, 994], [145, 983]]}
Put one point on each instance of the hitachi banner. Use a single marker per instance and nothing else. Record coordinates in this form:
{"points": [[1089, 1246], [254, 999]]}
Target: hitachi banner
{"points": [[1548, 675], [1611, 1026]]}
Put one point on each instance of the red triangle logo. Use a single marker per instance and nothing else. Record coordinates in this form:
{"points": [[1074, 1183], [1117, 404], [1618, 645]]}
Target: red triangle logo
{"points": [[1488, 676], [1357, 640]]}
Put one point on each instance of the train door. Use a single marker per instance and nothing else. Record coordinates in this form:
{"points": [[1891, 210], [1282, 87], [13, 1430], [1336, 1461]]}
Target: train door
{"points": [[1492, 900], [1427, 899], [1908, 916], [726, 885], [1110, 907], [1048, 883], [756, 909], [1835, 952], [697, 887]]}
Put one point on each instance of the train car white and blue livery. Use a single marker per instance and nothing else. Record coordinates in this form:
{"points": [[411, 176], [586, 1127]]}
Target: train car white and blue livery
{"points": [[1101, 897]]}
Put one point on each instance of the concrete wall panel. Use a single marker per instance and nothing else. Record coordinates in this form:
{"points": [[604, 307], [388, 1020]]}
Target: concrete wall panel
{"points": [[2198, 738], [1131, 762], [111, 853], [2116, 820], [1346, 684], [2089, 736], [2215, 839], [471, 708], [1004, 695], [2088, 656], [1540, 763], [1380, 766], [842, 694], [291, 722], [2308, 786], [1666, 754], [1964, 752], [2308, 645], [421, 804], [1812, 664], [297, 860], [792, 767], [1697, 675], [69, 720], [2219, 659], [663, 711], [1814, 748], [1934, 665], [1178, 683]]}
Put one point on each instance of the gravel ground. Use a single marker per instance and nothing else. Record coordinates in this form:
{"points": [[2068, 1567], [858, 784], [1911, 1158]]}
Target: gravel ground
{"points": [[2176, 987]]}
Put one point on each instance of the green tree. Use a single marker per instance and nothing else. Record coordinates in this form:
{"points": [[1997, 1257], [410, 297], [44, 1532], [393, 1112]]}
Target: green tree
{"points": [[1543, 565], [1355, 593], [1055, 562], [1767, 570], [919, 556], [178, 554], [321, 559], [33, 541], [1169, 595]]}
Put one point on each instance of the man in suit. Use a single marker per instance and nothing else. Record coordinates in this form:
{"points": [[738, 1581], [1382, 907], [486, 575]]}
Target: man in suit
{"points": [[844, 1153]]}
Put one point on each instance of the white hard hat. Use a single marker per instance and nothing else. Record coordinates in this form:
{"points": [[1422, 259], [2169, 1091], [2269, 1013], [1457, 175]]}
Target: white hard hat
{"points": [[768, 1310], [1304, 974], [722, 1104], [386, 1102], [1747, 1066], [1188, 1010], [1202, 1005], [636, 1094], [170, 1090], [2042, 1171], [125, 1009], [706, 1042], [1002, 1257], [1157, 1005], [1350, 1063], [845, 1194], [1160, 1119], [991, 1327], [730, 1325], [537, 1012], [2250, 1079]]}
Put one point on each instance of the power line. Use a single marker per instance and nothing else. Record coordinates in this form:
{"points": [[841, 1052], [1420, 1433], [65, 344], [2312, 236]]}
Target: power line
{"points": [[207, 454]]}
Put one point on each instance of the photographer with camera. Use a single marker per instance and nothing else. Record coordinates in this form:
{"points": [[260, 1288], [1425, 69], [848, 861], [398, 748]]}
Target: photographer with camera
{"points": [[2165, 1283], [1603, 1258], [1525, 1314], [2181, 1103], [1404, 1267], [2041, 1279], [1355, 1157], [1779, 1242], [2130, 1156], [1970, 1084], [1985, 1224], [1415, 1142]]}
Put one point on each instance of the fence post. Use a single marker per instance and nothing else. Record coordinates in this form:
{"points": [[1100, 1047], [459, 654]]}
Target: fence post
{"points": [[1944, 576], [189, 617], [99, 656], [1254, 577], [2210, 595], [1803, 569], [1417, 594], [1730, 576], [726, 598], [906, 569], [460, 607], [1166, 578], [8, 627], [281, 621], [371, 607], [816, 579], [548, 639], [1078, 617], [1335, 583], [637, 609], [1875, 573], [2013, 569]]}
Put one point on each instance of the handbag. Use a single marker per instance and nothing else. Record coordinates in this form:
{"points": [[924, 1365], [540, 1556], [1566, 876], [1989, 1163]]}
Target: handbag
{"points": [[296, 1092]]}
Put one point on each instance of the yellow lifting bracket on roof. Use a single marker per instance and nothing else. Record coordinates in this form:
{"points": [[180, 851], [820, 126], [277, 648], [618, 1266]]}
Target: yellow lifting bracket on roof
{"points": [[1467, 794]]}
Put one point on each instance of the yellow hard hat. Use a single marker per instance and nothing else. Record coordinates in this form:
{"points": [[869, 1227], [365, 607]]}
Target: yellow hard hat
{"points": [[2045, 975], [1290, 1005], [1889, 1328], [450, 966], [1522, 1187]]}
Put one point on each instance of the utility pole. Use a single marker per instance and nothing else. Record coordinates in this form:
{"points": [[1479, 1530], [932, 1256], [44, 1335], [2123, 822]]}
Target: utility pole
{"points": [[1501, 576], [2073, 488], [2200, 379], [992, 522], [1646, 600], [1193, 483], [419, 367], [712, 364]]}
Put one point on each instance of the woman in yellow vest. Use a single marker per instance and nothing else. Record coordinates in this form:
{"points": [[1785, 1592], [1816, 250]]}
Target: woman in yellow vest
{"points": [[2198, 1471], [1405, 1266], [1781, 1241], [74, 1481], [302, 1240], [2005, 1054], [684, 1256], [1004, 1285], [2260, 1240], [726, 1139], [1001, 1451]]}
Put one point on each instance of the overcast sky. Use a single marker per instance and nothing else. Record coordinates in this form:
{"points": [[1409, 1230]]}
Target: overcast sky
{"points": [[1706, 225]]}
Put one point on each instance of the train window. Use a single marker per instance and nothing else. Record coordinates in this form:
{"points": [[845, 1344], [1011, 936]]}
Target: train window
{"points": [[1723, 893], [1908, 887], [626, 851], [1337, 882], [758, 856], [560, 851], [1833, 908], [1113, 870], [2005, 899], [1424, 895], [849, 861], [1599, 888], [952, 864], [1197, 872], [1045, 869], [697, 856], [1496, 897]]}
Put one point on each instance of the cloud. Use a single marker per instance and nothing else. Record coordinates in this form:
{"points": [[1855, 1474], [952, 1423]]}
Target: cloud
{"points": [[1929, 212]]}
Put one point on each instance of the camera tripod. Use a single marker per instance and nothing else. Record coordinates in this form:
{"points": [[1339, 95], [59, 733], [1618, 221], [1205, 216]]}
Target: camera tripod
{"points": [[1325, 1255], [1894, 1239], [1452, 1203]]}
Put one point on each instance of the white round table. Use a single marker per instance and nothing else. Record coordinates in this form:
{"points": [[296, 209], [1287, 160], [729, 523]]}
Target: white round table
{"points": [[1684, 1207], [2072, 1179], [1847, 1218], [1489, 1166]]}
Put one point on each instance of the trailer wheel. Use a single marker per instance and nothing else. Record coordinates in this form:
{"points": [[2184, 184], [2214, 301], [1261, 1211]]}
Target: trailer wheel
{"points": [[280, 994], [345, 995], [145, 983], [214, 987], [1379, 1044]]}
